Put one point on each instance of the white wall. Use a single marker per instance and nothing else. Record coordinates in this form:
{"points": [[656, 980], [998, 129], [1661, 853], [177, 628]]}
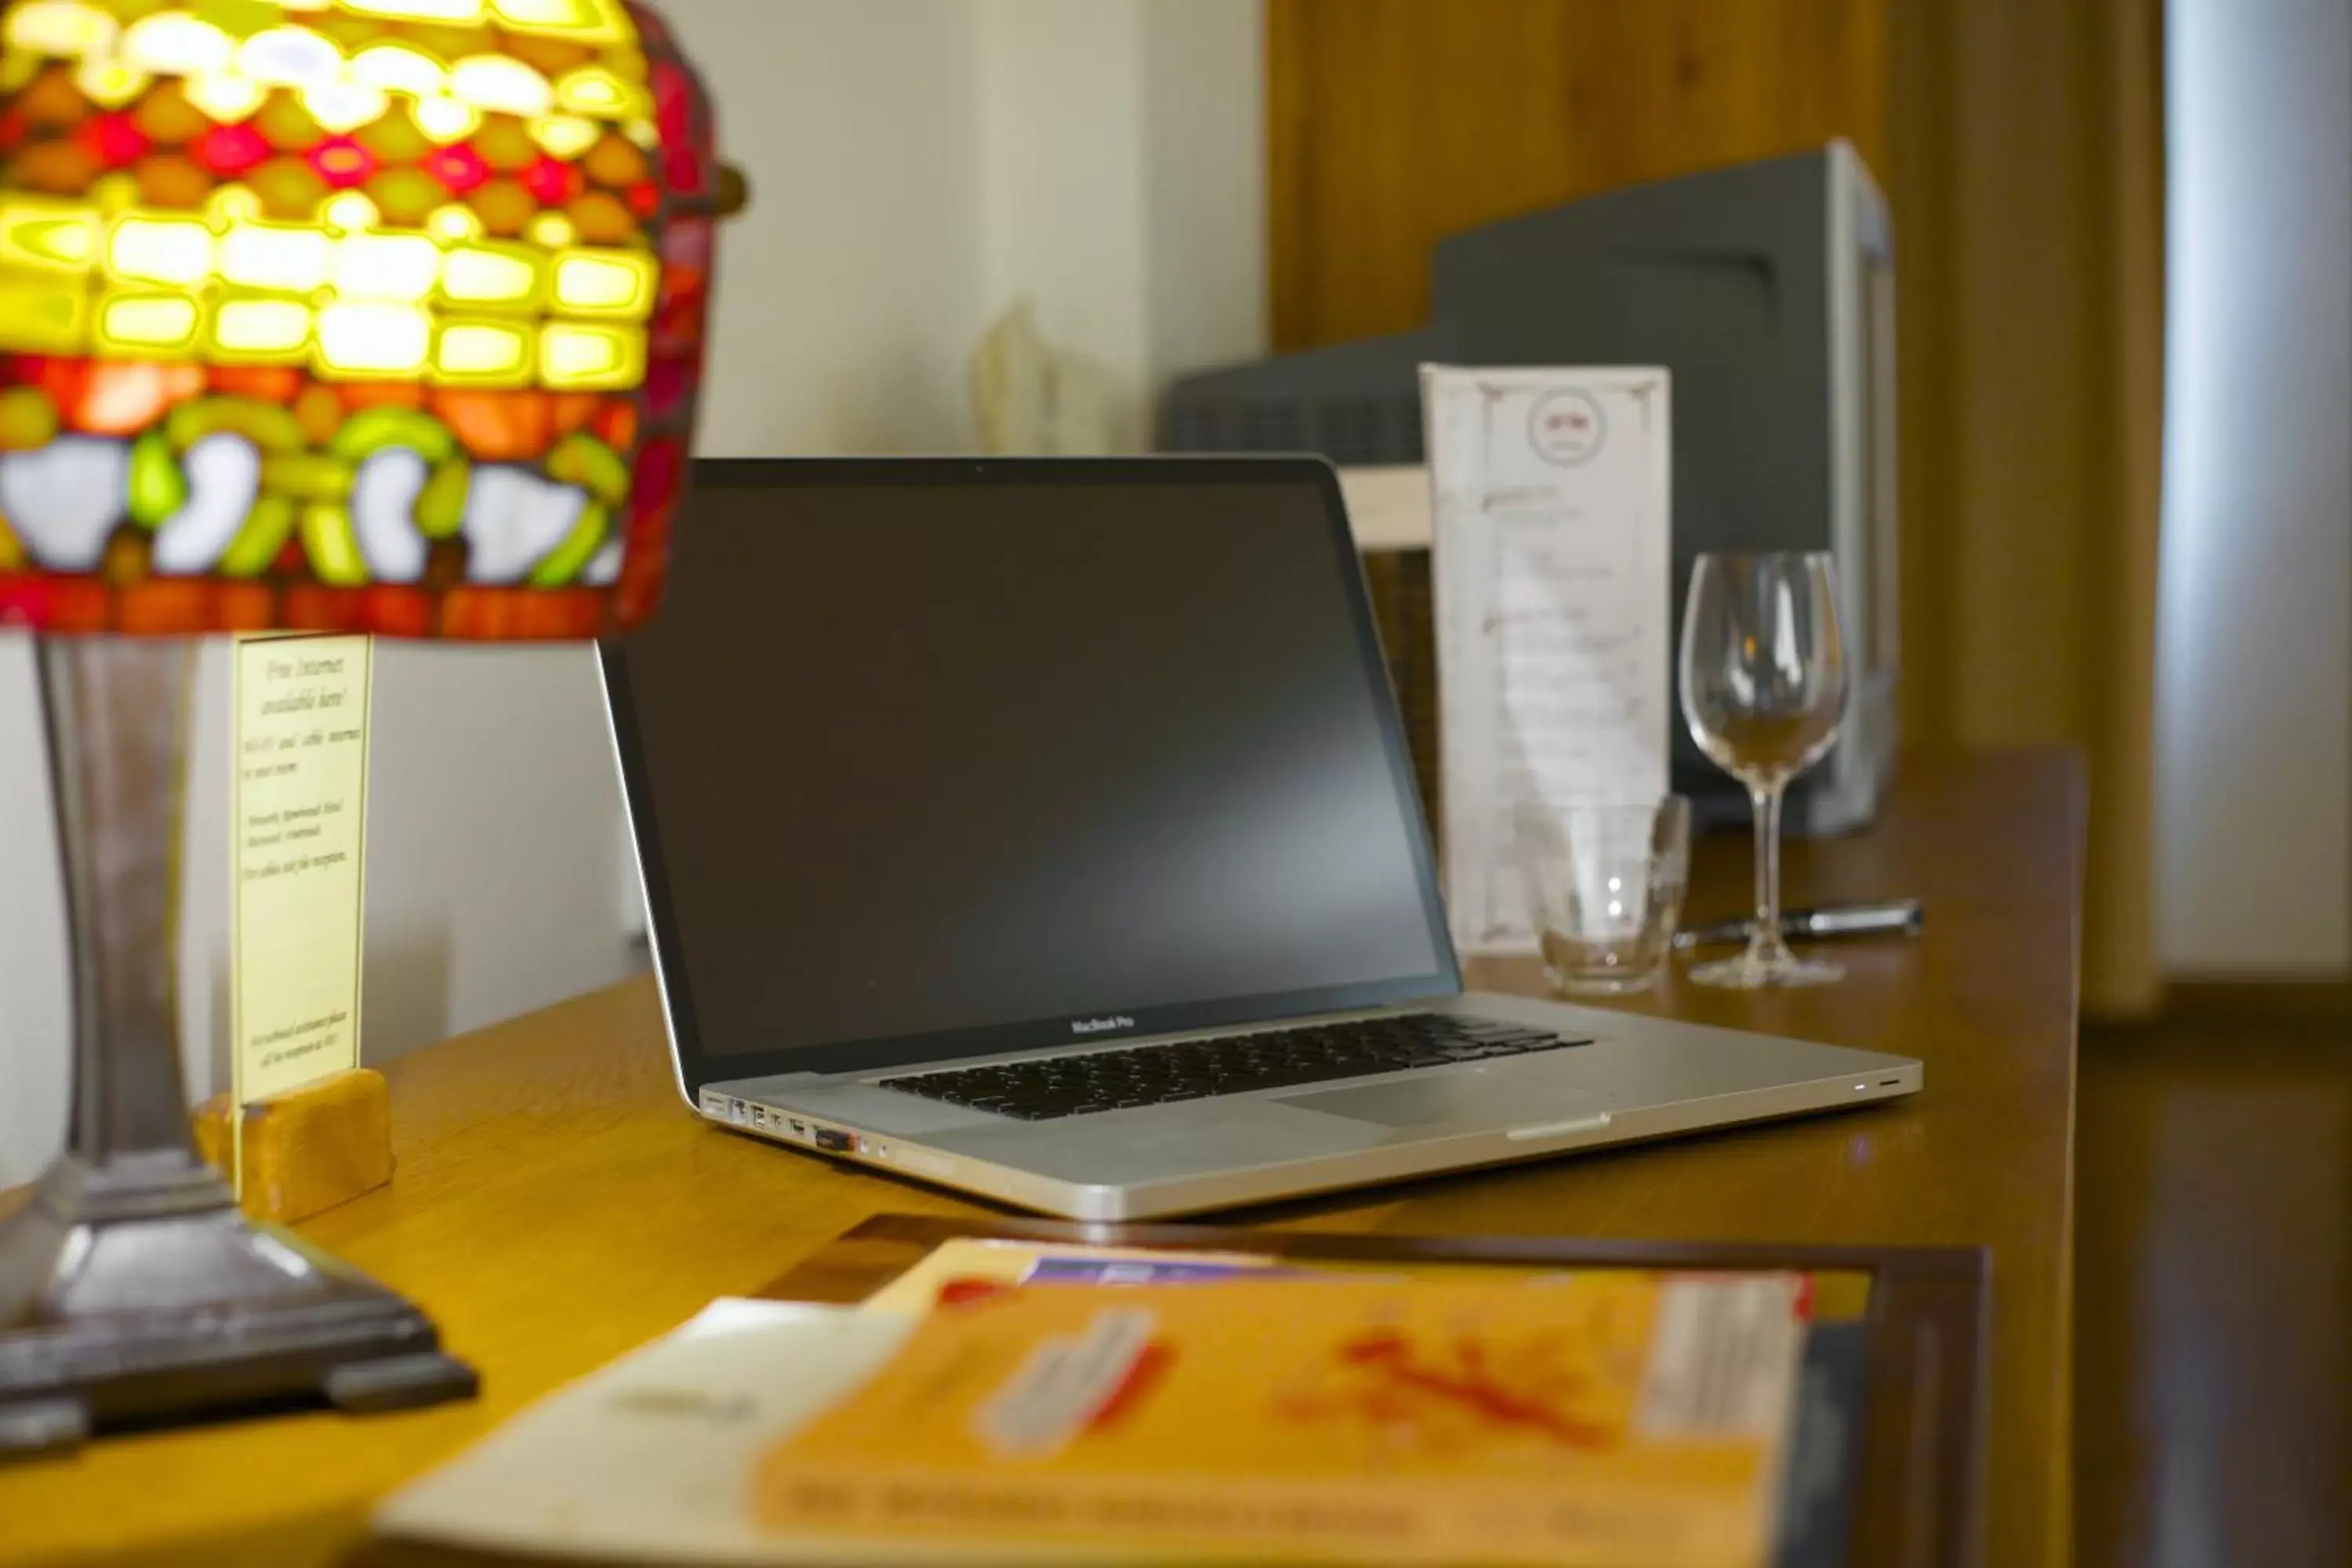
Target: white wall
{"points": [[33, 1024], [917, 165], [491, 811], [849, 293], [1204, 183], [1122, 175], [1061, 132], [491, 801], [2254, 734]]}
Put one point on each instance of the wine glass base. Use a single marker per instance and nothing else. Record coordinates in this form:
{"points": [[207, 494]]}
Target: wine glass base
{"points": [[1750, 972], [1604, 985]]}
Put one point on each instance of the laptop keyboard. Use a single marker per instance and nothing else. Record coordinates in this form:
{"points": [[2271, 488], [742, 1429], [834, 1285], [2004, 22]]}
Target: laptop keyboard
{"points": [[1197, 1069]]}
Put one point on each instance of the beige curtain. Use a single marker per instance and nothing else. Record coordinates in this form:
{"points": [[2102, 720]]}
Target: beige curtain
{"points": [[2028, 184]]}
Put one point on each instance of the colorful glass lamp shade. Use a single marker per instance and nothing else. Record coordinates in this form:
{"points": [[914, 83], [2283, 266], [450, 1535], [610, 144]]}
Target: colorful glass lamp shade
{"points": [[376, 316]]}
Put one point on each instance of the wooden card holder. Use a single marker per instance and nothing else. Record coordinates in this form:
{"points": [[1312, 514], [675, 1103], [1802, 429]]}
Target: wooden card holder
{"points": [[308, 1150]]}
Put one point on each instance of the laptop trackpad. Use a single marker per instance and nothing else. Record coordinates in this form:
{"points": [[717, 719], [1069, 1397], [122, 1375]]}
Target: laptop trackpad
{"points": [[1499, 1099]]}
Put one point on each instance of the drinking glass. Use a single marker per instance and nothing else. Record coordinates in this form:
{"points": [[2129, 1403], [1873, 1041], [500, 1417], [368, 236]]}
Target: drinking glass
{"points": [[1605, 878], [1764, 688]]}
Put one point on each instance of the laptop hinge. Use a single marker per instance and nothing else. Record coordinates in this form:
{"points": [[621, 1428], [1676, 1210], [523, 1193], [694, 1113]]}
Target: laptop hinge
{"points": [[769, 1082]]}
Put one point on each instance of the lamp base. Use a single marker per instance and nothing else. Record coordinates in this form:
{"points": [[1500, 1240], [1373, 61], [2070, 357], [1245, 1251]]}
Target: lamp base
{"points": [[135, 1295]]}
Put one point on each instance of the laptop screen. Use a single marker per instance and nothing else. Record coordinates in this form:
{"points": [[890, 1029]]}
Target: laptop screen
{"points": [[929, 758]]}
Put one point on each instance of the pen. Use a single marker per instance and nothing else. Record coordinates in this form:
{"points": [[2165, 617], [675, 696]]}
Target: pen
{"points": [[1901, 917]]}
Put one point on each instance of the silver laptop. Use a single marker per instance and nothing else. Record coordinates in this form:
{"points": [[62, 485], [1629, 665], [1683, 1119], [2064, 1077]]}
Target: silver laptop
{"points": [[1046, 830]]}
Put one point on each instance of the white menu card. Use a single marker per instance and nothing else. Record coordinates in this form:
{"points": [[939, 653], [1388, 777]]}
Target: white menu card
{"points": [[1553, 581]]}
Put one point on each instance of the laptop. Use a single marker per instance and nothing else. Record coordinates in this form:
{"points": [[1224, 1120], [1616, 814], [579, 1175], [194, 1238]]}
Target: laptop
{"points": [[1044, 829]]}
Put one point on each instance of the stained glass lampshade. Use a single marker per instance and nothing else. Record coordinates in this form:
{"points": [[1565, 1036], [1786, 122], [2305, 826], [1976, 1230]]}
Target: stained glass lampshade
{"points": [[378, 316], [350, 315]]}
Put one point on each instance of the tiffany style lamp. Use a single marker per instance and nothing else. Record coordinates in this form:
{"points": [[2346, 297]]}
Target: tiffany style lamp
{"points": [[338, 315]]}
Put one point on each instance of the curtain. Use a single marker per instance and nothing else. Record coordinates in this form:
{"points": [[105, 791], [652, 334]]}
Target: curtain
{"points": [[2027, 182]]}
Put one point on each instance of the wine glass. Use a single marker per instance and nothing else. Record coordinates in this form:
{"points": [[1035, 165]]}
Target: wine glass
{"points": [[1764, 688]]}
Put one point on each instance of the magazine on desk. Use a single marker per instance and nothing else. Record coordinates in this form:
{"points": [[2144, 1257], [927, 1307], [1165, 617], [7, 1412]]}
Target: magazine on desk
{"points": [[1013, 1401]]}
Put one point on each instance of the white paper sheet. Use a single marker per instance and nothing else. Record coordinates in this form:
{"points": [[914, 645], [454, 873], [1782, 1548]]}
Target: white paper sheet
{"points": [[1553, 563], [650, 1459]]}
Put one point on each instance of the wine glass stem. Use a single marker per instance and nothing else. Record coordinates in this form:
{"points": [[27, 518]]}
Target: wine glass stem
{"points": [[1764, 944]]}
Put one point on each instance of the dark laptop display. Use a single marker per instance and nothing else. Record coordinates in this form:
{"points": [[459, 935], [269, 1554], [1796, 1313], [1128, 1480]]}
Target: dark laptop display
{"points": [[1016, 754]]}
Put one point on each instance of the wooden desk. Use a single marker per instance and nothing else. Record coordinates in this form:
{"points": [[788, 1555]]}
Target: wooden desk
{"points": [[555, 1206]]}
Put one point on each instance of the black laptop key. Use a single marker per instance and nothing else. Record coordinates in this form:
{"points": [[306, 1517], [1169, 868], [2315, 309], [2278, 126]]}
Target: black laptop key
{"points": [[1135, 1076]]}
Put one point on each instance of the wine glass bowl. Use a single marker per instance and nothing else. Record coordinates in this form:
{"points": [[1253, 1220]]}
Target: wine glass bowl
{"points": [[1764, 683]]}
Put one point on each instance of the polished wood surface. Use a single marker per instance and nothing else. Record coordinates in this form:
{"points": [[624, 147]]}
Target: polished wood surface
{"points": [[1392, 123], [2216, 1298], [555, 1206]]}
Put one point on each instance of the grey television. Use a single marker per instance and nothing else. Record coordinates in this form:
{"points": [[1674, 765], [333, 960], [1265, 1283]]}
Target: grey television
{"points": [[1767, 290]]}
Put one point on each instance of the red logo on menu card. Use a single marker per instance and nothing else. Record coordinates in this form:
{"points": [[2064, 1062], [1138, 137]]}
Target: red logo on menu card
{"points": [[1567, 428]]}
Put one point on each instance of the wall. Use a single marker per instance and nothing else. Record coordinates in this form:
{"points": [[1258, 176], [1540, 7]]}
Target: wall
{"points": [[1061, 132], [2254, 734], [33, 1022], [917, 164], [1122, 181], [849, 294], [491, 811], [1204, 183]]}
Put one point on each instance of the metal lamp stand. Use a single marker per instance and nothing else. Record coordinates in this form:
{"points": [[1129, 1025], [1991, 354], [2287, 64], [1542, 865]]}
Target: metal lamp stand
{"points": [[132, 1290]]}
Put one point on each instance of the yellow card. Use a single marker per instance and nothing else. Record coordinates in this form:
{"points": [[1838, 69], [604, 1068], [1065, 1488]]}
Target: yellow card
{"points": [[298, 860]]}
